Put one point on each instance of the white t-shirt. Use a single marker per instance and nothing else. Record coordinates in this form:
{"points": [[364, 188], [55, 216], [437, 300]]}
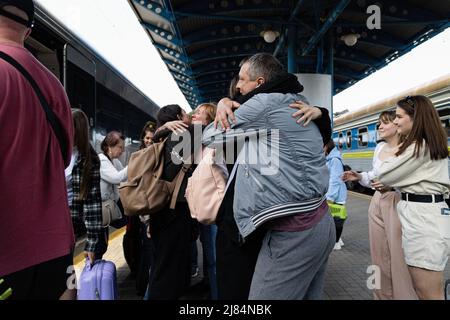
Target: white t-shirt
{"points": [[376, 164], [68, 174]]}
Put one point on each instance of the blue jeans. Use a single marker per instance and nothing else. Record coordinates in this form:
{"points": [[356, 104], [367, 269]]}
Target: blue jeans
{"points": [[208, 238]]}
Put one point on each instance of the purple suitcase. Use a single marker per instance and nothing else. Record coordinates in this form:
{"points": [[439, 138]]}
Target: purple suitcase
{"points": [[98, 281]]}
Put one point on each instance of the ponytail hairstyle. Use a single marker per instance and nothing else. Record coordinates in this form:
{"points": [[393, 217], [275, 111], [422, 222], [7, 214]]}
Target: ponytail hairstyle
{"points": [[169, 113]]}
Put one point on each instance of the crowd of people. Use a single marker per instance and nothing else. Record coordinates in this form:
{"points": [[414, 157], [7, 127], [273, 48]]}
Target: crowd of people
{"points": [[280, 217]]}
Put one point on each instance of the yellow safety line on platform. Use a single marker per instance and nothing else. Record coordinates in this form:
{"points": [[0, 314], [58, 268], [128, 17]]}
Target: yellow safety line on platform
{"points": [[358, 155], [360, 195], [119, 232], [364, 154]]}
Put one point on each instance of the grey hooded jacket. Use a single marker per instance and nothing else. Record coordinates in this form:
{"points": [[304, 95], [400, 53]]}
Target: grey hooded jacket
{"points": [[282, 169]]}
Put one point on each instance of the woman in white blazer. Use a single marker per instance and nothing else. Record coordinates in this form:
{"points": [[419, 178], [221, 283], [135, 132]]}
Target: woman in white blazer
{"points": [[420, 172]]}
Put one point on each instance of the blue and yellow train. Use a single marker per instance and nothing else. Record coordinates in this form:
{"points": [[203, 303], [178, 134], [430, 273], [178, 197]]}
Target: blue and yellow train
{"points": [[355, 133]]}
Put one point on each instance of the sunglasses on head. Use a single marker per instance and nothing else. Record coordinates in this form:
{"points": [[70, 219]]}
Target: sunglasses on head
{"points": [[409, 100]]}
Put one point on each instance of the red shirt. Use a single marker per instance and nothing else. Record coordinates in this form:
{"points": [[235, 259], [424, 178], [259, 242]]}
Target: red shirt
{"points": [[301, 221], [35, 223]]}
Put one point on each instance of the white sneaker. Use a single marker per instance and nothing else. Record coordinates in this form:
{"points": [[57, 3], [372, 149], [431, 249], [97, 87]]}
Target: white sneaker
{"points": [[341, 242], [337, 246]]}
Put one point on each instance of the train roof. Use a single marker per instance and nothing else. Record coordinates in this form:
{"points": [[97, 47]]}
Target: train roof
{"points": [[203, 41], [107, 75], [385, 104]]}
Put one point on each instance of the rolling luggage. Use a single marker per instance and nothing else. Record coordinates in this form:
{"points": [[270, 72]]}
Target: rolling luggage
{"points": [[98, 281]]}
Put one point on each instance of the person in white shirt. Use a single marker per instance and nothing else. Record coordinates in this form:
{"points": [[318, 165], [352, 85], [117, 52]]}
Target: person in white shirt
{"points": [[112, 172], [420, 172], [385, 230]]}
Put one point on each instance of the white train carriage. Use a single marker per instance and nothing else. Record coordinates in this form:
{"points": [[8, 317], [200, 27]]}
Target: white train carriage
{"points": [[355, 133]]}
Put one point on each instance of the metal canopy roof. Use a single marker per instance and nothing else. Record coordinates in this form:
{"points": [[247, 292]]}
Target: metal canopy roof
{"points": [[203, 41]]}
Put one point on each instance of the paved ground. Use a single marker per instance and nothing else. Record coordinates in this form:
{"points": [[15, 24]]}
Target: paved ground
{"points": [[347, 268], [346, 273]]}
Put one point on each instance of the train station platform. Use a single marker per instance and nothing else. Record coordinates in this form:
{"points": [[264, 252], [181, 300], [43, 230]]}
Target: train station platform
{"points": [[347, 272]]}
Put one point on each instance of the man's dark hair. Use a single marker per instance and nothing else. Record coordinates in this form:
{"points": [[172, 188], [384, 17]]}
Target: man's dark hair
{"points": [[168, 113], [264, 65]]}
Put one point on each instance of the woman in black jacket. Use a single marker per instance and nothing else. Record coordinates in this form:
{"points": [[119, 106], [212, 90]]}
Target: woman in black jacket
{"points": [[171, 229]]}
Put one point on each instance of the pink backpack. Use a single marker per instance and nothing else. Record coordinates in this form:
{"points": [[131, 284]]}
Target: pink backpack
{"points": [[206, 188]]}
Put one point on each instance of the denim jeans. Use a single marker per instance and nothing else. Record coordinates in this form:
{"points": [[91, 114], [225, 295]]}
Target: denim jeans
{"points": [[208, 238]]}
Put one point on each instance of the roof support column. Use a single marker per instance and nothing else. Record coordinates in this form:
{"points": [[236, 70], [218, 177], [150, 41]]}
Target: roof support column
{"points": [[292, 49], [320, 53], [330, 67], [330, 53]]}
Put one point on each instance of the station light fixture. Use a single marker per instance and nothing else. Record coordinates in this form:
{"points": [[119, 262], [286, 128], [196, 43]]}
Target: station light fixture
{"points": [[350, 39], [269, 35]]}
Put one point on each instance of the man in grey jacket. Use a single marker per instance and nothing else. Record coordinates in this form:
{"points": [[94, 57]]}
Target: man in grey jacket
{"points": [[281, 182]]}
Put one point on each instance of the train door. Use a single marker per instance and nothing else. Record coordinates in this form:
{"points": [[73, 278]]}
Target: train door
{"points": [[46, 55], [79, 81]]}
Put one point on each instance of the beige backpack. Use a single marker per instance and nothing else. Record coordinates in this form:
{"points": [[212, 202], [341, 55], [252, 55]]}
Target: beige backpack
{"points": [[145, 192], [206, 188]]}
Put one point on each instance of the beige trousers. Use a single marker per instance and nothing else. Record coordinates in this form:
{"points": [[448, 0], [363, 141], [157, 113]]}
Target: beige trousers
{"points": [[385, 233]]}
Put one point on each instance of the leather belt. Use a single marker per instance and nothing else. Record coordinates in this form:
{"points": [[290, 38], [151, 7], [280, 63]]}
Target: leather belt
{"points": [[422, 197]]}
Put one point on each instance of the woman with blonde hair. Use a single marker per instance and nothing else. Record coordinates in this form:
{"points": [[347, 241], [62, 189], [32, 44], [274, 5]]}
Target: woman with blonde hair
{"points": [[203, 115], [385, 230], [420, 172]]}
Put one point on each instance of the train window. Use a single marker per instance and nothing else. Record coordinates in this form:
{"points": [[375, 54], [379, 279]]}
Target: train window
{"points": [[341, 141], [363, 137], [349, 139], [336, 140], [446, 126], [377, 126], [444, 112]]}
